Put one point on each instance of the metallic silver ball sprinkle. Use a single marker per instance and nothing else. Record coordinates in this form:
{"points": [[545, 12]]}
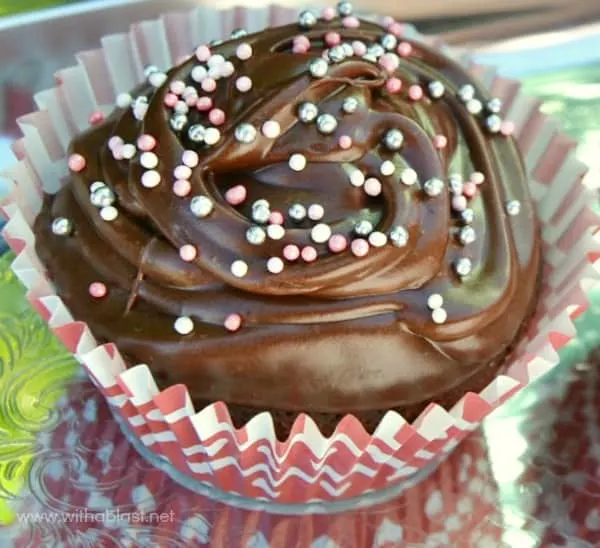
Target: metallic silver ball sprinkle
{"points": [[336, 54], [466, 235], [201, 206], [494, 105], [389, 42], [375, 50], [466, 93], [436, 89], [179, 121], [61, 226], [399, 236], [150, 69], [467, 216], [307, 19], [196, 133], [350, 105], [513, 207], [393, 139], [256, 235], [261, 203], [96, 185], [455, 184], [238, 33], [326, 123], [318, 67], [308, 112], [463, 267], [474, 106], [297, 212], [245, 133], [348, 50], [102, 197], [344, 9], [433, 187], [493, 123], [261, 214], [214, 43], [363, 228]]}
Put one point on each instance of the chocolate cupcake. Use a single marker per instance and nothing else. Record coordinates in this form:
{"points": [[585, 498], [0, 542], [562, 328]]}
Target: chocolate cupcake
{"points": [[321, 217]]}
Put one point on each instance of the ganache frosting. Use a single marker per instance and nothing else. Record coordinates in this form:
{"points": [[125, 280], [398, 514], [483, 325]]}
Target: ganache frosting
{"points": [[323, 216]]}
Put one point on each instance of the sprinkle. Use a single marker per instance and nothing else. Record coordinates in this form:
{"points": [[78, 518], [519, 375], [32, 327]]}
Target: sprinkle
{"points": [[357, 178], [184, 325], [344, 8], [399, 236], [146, 142], [124, 100], [320, 233], [301, 44], [61, 226], [493, 123], [409, 176], [199, 73], [188, 253], [350, 105], [467, 216], [395, 28], [201, 206], [309, 254], [474, 106], [202, 53], [307, 19], [326, 124], [117, 152], [337, 243], [182, 187], [245, 133], [96, 185], [404, 49], [275, 265], [97, 290], [204, 103], [243, 84], [308, 112], [469, 189], [477, 177], [261, 214], [494, 105], [415, 92], [109, 213], [190, 158], [150, 179], [215, 72], [359, 247], [216, 117], [238, 33], [275, 232], [372, 187], [102, 196], [316, 212], [96, 118], [466, 93], [271, 129], [466, 235], [332, 38], [255, 235], [359, 48], [440, 141], [227, 69], [433, 187], [393, 85], [507, 128], [328, 13], [345, 142], [389, 62], [513, 207], [389, 42], [276, 218], [139, 111], [115, 142], [351, 22], [318, 68], [434, 301], [297, 162], [178, 122], [261, 203], [393, 139], [236, 195], [76, 163], [148, 160], [291, 252], [212, 136], [439, 316], [215, 60], [239, 268], [182, 172], [363, 227], [128, 151], [463, 267], [387, 168], [378, 239], [459, 203], [232, 322], [436, 89], [297, 212], [209, 85]]}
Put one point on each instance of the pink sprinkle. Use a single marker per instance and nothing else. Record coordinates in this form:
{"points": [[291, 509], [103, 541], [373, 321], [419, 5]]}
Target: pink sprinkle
{"points": [[415, 92], [332, 38], [359, 48], [216, 117], [395, 28], [191, 101], [360, 247], [345, 142], [303, 40], [182, 172], [244, 51], [328, 13], [243, 84], [117, 152], [204, 103], [236, 195], [300, 49], [77, 163], [146, 142], [188, 253], [477, 177], [404, 49], [177, 87], [96, 118], [337, 243], [209, 85], [115, 142], [372, 187], [309, 254], [171, 100], [190, 158], [440, 141], [393, 85], [351, 22], [202, 53], [469, 189], [291, 252], [181, 188], [387, 21], [507, 127], [276, 218], [232, 322], [97, 290], [389, 62], [459, 203]]}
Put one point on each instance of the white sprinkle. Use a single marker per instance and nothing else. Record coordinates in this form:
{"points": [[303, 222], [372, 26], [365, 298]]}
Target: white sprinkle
{"points": [[378, 239], [387, 168], [357, 178], [184, 325], [124, 100], [109, 213], [96, 185], [157, 79], [227, 69], [320, 233], [275, 232], [439, 315], [215, 72], [215, 60], [316, 212], [435, 300], [150, 179], [275, 265], [477, 177], [201, 206], [149, 160], [297, 162], [239, 268], [181, 107], [212, 136], [128, 151], [199, 73], [409, 176], [513, 207], [271, 129]]}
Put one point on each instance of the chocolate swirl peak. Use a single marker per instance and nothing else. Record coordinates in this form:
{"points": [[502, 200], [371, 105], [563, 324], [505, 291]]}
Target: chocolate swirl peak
{"points": [[319, 217]]}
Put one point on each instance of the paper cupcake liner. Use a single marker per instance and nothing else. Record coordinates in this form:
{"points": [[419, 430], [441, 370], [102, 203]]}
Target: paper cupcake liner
{"points": [[250, 462]]}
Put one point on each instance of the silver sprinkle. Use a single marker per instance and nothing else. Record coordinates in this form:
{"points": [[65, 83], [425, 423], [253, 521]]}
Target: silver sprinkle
{"points": [[318, 67], [245, 133], [474, 106], [363, 228], [336, 54], [350, 105], [201, 206], [393, 139], [326, 123], [256, 235], [463, 267], [389, 42], [308, 112], [494, 105], [102, 197], [344, 9], [375, 50], [466, 93], [455, 184], [399, 236], [466, 235], [179, 121], [96, 185], [261, 214], [307, 19], [467, 216], [261, 203], [238, 33], [513, 207], [214, 43], [297, 212], [433, 187], [196, 133], [436, 89], [493, 123], [150, 69], [61, 226], [348, 50]]}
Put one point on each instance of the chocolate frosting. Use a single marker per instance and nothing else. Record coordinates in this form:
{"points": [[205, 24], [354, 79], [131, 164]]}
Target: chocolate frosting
{"points": [[342, 333]]}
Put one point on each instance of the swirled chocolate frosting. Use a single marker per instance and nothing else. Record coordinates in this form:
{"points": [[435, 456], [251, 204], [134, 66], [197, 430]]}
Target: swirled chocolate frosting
{"points": [[320, 217]]}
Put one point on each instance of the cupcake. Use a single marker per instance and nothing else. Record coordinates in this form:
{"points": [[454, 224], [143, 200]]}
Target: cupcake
{"points": [[302, 263]]}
